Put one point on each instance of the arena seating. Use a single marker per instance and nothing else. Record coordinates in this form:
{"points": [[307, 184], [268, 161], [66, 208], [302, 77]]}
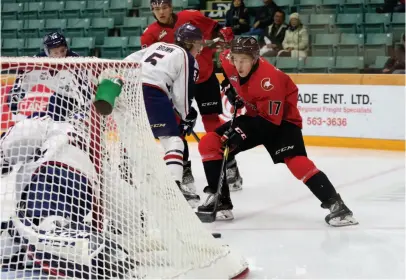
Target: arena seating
{"points": [[345, 35]]}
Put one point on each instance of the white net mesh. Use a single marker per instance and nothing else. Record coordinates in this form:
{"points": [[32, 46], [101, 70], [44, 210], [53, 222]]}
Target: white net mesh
{"points": [[85, 196]]}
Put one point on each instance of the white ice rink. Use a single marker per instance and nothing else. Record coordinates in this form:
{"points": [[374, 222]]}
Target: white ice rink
{"points": [[279, 225]]}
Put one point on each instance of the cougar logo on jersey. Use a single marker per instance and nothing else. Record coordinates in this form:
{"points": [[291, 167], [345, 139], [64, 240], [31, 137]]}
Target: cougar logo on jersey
{"points": [[266, 84], [162, 34], [233, 78]]}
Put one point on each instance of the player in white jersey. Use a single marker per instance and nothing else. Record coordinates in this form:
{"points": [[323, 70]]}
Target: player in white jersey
{"points": [[169, 73], [33, 88]]}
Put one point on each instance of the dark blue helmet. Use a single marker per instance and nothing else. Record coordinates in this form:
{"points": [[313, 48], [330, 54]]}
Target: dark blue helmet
{"points": [[187, 34], [157, 3], [54, 40]]}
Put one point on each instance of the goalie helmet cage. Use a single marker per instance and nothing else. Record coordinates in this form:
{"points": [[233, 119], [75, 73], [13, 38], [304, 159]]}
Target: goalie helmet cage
{"points": [[140, 226]]}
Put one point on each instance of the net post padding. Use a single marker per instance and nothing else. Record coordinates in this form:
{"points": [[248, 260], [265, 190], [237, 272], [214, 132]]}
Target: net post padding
{"points": [[136, 203]]}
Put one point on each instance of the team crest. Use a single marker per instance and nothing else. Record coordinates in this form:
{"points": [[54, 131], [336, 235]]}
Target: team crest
{"points": [[266, 84], [233, 78], [162, 34]]}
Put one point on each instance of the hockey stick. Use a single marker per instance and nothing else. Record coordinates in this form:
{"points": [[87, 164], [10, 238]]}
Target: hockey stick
{"points": [[210, 217], [195, 136]]}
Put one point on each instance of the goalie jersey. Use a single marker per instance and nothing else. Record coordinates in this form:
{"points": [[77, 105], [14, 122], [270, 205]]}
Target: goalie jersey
{"points": [[171, 69]]}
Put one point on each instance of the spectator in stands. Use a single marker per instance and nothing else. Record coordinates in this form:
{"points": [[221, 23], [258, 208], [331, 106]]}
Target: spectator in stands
{"points": [[263, 18], [296, 41], [238, 18], [392, 6], [396, 64], [274, 35]]}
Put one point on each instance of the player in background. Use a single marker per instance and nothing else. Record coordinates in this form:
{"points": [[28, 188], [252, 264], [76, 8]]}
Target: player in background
{"points": [[169, 73], [33, 88], [207, 95], [272, 120]]}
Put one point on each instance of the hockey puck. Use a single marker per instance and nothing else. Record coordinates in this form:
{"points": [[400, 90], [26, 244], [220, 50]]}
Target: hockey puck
{"points": [[216, 235]]}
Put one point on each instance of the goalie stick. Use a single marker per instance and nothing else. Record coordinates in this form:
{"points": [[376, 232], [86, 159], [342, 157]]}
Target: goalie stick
{"points": [[210, 217]]}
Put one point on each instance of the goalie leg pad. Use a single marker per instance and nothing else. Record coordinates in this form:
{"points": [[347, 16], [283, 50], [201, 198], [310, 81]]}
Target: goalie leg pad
{"points": [[174, 148]]}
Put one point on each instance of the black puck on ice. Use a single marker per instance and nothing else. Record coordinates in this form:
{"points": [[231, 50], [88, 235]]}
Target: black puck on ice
{"points": [[216, 235]]}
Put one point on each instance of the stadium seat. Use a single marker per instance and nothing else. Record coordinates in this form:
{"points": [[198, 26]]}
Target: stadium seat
{"points": [[253, 3], [193, 4], [309, 6], [118, 10], [12, 47], [379, 62], [377, 45], [350, 45], [82, 45], [134, 44], [11, 28], [52, 25], [289, 64], [286, 5], [305, 19], [96, 9], [31, 10], [32, 46], [348, 64], [99, 29], [331, 6], [353, 7], [133, 26], [114, 47], [325, 44], [348, 23], [33, 28], [397, 27], [270, 59], [77, 27], [73, 9], [371, 5], [318, 64], [376, 23], [321, 23], [52, 9], [11, 10]]}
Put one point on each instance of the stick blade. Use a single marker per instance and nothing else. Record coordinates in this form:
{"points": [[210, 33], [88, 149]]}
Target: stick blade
{"points": [[206, 217]]}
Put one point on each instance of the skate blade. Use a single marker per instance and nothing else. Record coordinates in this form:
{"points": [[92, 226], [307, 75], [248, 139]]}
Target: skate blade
{"points": [[343, 222], [191, 187]]}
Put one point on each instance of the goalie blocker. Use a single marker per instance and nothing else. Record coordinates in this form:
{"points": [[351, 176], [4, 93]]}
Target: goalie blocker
{"points": [[272, 120]]}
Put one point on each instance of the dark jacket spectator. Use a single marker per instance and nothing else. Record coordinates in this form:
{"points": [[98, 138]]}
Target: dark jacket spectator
{"points": [[238, 18], [392, 6], [274, 35], [264, 15], [263, 18]]}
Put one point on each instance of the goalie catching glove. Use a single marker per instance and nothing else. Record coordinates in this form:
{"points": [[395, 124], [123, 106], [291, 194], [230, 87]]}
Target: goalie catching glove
{"points": [[186, 126]]}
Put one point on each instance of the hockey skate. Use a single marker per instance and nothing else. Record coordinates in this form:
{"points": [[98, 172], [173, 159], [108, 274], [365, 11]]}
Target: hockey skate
{"points": [[192, 198], [340, 214], [224, 207], [234, 178], [188, 180]]}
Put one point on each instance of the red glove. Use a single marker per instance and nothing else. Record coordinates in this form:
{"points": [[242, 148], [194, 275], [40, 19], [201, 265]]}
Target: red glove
{"points": [[227, 34]]}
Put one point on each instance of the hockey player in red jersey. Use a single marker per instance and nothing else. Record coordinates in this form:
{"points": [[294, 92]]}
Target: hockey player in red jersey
{"points": [[272, 120], [207, 93]]}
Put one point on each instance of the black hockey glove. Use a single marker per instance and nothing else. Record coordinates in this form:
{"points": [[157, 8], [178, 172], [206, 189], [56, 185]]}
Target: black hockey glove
{"points": [[232, 97], [186, 126], [233, 137]]}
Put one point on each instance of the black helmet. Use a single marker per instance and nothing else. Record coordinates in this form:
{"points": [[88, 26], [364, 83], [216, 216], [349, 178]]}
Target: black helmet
{"points": [[53, 40], [246, 45]]}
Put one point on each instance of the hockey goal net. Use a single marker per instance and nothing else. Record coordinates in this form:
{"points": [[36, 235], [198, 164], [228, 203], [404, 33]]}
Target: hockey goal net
{"points": [[124, 217]]}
